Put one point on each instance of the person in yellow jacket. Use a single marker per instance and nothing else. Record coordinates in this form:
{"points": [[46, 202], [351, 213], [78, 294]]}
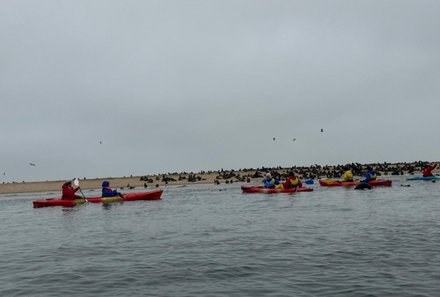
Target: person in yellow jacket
{"points": [[347, 176]]}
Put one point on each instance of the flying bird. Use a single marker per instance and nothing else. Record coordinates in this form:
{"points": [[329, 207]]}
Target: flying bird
{"points": [[274, 139], [294, 139], [32, 164], [322, 130], [100, 142]]}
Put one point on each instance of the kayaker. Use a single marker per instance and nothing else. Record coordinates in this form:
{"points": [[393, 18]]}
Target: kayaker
{"points": [[369, 175], [292, 181], [427, 171], [270, 182], [108, 192], [347, 176], [69, 191]]}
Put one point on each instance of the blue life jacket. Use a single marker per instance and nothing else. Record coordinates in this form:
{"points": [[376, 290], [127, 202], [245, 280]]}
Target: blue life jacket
{"points": [[270, 183], [370, 175], [107, 192]]}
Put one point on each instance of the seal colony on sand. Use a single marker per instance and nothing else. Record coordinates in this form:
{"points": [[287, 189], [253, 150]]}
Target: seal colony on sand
{"points": [[219, 177]]}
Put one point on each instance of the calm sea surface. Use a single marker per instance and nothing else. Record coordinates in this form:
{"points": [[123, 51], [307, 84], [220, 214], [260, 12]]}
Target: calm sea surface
{"points": [[215, 241]]}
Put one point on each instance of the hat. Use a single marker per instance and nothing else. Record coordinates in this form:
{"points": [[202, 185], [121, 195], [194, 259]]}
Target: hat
{"points": [[268, 175], [105, 183]]}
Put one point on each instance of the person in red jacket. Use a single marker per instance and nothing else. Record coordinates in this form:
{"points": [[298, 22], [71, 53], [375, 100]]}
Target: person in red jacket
{"points": [[292, 181], [427, 171], [69, 191]]}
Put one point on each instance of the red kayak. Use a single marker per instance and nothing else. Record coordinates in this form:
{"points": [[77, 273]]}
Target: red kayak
{"points": [[261, 189], [336, 183], [153, 195]]}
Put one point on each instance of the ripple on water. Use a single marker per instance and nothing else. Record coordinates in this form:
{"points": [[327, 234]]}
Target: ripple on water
{"points": [[199, 241]]}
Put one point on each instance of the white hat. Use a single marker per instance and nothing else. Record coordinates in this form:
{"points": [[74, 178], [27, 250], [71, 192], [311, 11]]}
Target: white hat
{"points": [[268, 174]]}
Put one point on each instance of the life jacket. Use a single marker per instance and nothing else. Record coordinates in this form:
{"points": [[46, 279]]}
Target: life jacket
{"points": [[69, 192], [347, 176], [108, 192], [269, 183], [294, 181], [371, 175], [427, 171]]}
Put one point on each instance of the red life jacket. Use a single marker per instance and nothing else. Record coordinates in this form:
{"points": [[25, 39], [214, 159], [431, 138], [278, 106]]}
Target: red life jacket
{"points": [[69, 192]]}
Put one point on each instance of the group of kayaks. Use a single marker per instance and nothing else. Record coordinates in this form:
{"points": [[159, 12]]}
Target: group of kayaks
{"points": [[246, 188]]}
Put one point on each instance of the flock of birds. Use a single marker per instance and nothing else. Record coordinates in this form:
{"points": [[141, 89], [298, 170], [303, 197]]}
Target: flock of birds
{"points": [[100, 142]]}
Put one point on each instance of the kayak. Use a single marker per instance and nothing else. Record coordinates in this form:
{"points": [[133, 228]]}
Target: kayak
{"points": [[152, 195], [336, 183], [261, 189], [424, 177]]}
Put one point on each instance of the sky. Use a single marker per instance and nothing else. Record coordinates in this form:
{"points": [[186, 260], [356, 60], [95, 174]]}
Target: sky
{"points": [[109, 88]]}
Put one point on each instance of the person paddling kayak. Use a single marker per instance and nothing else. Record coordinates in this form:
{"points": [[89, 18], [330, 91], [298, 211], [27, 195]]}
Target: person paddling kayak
{"points": [[427, 171], [69, 191], [292, 181], [270, 182], [347, 176], [369, 175], [108, 192]]}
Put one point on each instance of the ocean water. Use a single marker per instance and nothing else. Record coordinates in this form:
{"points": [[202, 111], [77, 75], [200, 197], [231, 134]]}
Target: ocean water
{"points": [[212, 240]]}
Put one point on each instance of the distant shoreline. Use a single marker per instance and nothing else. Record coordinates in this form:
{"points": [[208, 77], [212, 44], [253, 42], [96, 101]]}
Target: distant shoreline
{"points": [[215, 177]]}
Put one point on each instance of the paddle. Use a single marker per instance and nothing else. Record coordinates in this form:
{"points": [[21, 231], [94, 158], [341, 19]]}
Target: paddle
{"points": [[76, 183]]}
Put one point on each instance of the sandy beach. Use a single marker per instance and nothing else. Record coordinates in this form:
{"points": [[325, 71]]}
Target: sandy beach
{"points": [[116, 182], [215, 177]]}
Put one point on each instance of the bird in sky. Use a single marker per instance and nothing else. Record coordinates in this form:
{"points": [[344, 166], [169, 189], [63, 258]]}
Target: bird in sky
{"points": [[322, 130], [32, 164], [274, 139], [100, 142], [294, 139]]}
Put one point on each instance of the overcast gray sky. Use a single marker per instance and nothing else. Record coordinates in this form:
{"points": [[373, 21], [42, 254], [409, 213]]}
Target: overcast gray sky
{"points": [[202, 85]]}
